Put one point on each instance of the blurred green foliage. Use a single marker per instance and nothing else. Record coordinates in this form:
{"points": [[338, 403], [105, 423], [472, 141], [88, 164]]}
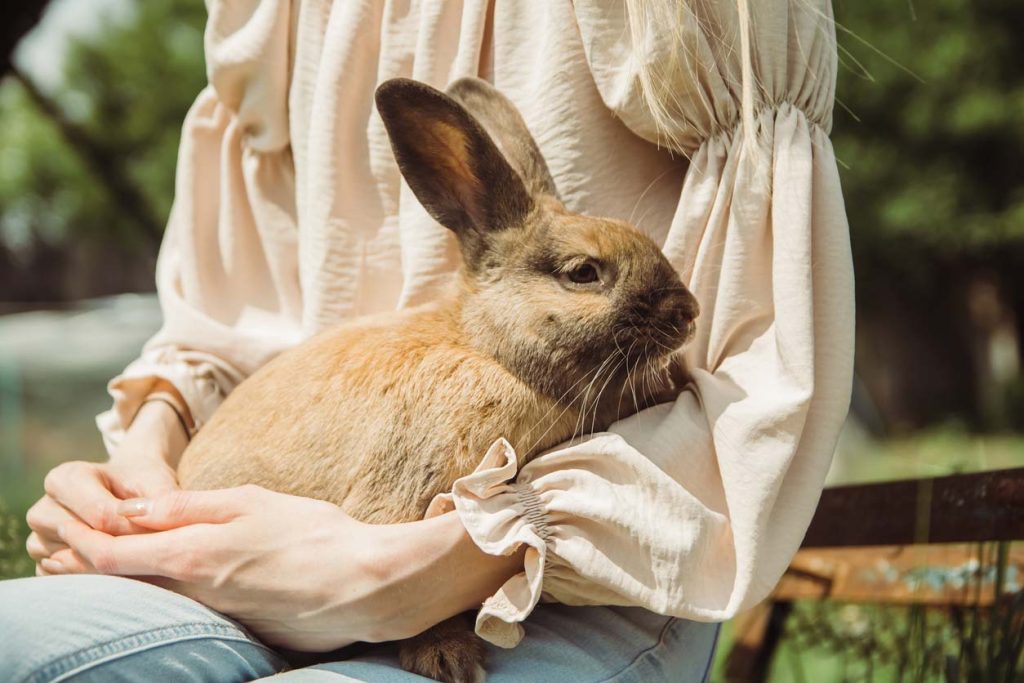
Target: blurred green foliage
{"points": [[928, 130], [128, 87], [929, 127], [14, 562]]}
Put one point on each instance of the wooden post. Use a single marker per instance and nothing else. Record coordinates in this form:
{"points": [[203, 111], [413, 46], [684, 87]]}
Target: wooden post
{"points": [[757, 635]]}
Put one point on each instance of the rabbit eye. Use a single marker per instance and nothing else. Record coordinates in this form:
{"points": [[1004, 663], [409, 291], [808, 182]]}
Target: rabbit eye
{"points": [[584, 274]]}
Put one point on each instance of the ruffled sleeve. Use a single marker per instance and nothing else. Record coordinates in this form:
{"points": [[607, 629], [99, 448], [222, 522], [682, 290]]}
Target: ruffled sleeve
{"points": [[695, 508], [227, 276]]}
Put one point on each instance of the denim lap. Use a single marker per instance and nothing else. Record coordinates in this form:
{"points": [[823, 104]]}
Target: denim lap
{"points": [[111, 629], [97, 628]]}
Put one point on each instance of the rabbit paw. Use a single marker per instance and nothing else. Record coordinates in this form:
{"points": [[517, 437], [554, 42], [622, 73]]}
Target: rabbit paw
{"points": [[448, 653]]}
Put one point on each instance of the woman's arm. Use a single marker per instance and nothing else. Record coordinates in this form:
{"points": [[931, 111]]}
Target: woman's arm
{"points": [[299, 573]]}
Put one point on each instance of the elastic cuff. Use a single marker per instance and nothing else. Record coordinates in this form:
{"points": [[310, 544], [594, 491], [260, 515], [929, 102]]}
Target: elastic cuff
{"points": [[139, 380], [500, 516]]}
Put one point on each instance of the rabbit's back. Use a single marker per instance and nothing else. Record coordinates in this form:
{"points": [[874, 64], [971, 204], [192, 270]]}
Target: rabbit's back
{"points": [[377, 417]]}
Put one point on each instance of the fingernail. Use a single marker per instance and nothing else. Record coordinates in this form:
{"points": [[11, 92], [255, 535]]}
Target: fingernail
{"points": [[136, 507], [51, 566]]}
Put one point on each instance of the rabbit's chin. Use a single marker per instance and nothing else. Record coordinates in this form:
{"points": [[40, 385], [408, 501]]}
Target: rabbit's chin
{"points": [[662, 363], [660, 380]]}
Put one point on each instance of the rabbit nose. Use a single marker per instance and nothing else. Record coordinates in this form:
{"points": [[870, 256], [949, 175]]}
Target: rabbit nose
{"points": [[681, 305], [679, 308], [692, 306]]}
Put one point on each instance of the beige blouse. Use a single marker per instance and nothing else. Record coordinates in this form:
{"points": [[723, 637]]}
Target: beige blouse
{"points": [[290, 216]]}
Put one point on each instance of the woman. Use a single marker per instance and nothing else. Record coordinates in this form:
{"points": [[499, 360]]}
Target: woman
{"points": [[290, 216]]}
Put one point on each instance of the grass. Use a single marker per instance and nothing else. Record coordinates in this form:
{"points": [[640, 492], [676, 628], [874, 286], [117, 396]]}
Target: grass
{"points": [[960, 644], [931, 453], [13, 560], [49, 432]]}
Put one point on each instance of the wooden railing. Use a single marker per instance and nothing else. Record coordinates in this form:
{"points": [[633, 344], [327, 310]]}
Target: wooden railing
{"points": [[865, 540]]}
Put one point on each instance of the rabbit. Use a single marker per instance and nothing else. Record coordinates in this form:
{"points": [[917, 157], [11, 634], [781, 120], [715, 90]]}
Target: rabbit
{"points": [[556, 325]]}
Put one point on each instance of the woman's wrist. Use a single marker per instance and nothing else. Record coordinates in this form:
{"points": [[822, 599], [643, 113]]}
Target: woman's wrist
{"points": [[435, 571], [156, 433]]}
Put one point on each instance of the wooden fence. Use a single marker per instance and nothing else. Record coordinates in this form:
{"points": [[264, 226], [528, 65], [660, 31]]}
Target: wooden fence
{"points": [[867, 542]]}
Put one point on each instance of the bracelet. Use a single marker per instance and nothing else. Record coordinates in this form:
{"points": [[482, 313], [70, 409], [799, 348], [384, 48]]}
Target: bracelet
{"points": [[169, 399]]}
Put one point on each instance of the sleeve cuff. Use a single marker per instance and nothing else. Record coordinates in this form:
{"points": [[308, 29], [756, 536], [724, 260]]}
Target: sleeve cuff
{"points": [[195, 383], [500, 515]]}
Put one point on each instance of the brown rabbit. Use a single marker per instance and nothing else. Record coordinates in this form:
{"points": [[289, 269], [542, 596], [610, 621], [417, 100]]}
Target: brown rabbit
{"points": [[554, 319]]}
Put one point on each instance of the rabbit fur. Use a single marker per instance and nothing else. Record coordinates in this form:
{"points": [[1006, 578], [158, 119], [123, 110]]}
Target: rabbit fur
{"points": [[551, 328]]}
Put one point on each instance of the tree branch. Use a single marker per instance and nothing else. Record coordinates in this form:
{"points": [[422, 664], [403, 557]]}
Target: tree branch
{"points": [[100, 160], [16, 19]]}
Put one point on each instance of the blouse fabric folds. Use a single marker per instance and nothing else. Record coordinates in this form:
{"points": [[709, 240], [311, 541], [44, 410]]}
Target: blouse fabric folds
{"points": [[290, 216]]}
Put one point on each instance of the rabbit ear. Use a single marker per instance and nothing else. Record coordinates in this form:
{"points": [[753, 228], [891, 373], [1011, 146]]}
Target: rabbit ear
{"points": [[451, 164], [506, 125]]}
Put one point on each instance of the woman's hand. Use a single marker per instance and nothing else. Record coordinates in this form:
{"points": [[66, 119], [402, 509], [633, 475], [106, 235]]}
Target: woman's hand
{"points": [[299, 573], [90, 492]]}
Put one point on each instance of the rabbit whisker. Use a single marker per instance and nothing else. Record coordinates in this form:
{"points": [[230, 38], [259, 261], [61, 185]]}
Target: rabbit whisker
{"points": [[582, 419], [632, 377], [597, 400], [566, 407]]}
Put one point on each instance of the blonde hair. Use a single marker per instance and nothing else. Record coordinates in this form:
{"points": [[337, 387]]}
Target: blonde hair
{"points": [[658, 78]]}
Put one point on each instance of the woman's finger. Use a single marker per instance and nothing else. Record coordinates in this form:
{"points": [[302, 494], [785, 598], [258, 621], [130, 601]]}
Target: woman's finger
{"points": [[39, 547], [83, 489], [45, 516], [66, 561], [175, 554], [182, 508], [143, 482]]}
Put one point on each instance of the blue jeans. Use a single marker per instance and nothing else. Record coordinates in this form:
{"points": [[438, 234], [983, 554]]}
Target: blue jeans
{"points": [[111, 630]]}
